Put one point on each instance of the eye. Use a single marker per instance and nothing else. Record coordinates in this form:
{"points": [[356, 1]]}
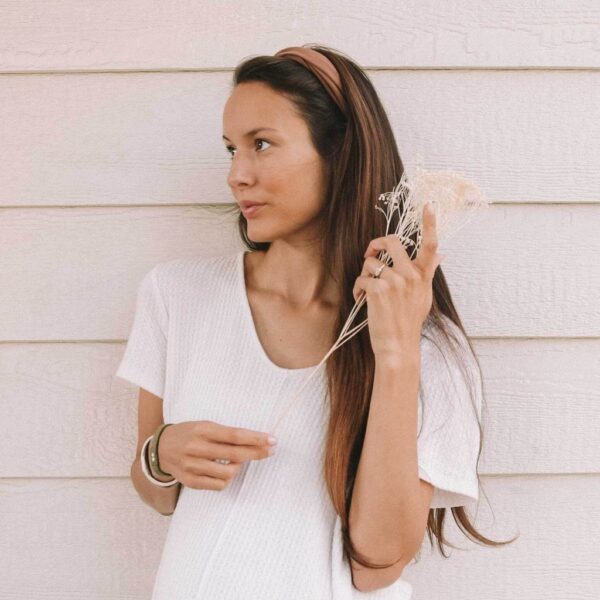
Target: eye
{"points": [[262, 140], [230, 149]]}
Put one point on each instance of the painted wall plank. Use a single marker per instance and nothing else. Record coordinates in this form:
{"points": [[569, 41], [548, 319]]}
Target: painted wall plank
{"points": [[95, 539], [155, 138], [66, 36], [70, 416], [514, 270]]}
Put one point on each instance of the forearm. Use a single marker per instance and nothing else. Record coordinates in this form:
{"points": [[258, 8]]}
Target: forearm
{"points": [[161, 499], [386, 496]]}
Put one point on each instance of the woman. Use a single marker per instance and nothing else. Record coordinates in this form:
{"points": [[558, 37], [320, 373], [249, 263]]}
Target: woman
{"points": [[218, 343]]}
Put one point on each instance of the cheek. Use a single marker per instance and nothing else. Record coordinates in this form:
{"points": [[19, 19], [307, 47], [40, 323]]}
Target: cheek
{"points": [[297, 190], [301, 202]]}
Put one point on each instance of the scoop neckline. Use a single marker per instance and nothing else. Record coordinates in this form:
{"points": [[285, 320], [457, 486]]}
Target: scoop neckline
{"points": [[251, 325]]}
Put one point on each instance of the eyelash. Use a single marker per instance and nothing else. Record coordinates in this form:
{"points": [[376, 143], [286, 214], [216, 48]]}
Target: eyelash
{"points": [[229, 148]]}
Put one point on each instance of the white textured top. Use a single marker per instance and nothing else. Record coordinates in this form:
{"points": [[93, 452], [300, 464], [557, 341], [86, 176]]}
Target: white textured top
{"points": [[273, 532]]}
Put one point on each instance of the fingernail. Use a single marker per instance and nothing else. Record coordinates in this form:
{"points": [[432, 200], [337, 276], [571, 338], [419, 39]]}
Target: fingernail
{"points": [[272, 440], [271, 451]]}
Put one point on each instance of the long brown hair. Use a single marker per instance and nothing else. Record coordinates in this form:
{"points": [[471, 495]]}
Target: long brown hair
{"points": [[362, 160]]}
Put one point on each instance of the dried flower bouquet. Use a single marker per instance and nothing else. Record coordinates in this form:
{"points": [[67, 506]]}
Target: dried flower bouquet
{"points": [[454, 201]]}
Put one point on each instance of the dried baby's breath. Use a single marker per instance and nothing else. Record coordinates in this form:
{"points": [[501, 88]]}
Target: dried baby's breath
{"points": [[454, 200]]}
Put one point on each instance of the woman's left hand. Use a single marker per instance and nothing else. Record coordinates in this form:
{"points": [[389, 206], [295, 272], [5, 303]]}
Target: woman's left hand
{"points": [[399, 300]]}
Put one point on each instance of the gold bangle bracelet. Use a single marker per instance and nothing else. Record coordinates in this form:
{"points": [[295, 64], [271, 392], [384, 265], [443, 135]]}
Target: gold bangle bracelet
{"points": [[153, 452]]}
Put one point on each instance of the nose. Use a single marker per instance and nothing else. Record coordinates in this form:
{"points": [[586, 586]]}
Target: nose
{"points": [[240, 172]]}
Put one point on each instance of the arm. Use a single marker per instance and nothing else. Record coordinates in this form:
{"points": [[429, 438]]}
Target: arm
{"points": [[390, 504], [162, 499]]}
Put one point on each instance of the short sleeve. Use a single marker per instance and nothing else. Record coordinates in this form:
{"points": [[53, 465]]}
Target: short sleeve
{"points": [[144, 360], [448, 434]]}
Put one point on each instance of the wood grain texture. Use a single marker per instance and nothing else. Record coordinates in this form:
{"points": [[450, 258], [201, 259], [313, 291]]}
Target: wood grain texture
{"points": [[112, 35], [70, 416], [71, 274], [94, 539], [155, 138], [111, 160]]}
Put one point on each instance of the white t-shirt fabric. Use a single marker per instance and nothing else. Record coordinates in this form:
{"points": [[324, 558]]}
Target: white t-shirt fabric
{"points": [[273, 532]]}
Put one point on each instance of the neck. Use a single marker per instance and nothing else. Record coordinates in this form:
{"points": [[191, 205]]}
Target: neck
{"points": [[296, 274]]}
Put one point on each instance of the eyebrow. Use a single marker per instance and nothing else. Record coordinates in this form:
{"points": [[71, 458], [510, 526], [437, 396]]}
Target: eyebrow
{"points": [[252, 132]]}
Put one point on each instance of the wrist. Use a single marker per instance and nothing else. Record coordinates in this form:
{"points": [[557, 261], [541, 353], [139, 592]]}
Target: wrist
{"points": [[403, 356]]}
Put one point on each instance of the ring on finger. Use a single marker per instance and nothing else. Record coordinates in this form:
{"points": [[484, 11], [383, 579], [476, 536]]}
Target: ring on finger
{"points": [[379, 270]]}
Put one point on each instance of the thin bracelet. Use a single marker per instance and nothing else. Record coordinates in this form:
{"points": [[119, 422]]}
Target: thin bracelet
{"points": [[153, 452], [146, 471]]}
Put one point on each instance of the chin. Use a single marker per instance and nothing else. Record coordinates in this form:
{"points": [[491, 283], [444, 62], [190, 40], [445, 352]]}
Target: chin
{"points": [[257, 239], [256, 235]]}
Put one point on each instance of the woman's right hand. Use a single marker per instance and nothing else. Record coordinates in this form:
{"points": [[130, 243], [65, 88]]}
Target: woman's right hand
{"points": [[188, 451]]}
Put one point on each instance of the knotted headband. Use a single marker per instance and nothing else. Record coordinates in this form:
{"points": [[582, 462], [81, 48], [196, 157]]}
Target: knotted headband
{"points": [[321, 67]]}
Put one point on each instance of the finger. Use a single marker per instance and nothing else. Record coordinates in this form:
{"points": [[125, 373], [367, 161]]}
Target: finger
{"points": [[364, 284], [394, 249], [369, 269], [210, 468], [428, 258], [371, 265], [235, 435], [235, 453]]}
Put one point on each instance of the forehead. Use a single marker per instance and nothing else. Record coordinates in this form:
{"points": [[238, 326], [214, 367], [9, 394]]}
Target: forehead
{"points": [[254, 104]]}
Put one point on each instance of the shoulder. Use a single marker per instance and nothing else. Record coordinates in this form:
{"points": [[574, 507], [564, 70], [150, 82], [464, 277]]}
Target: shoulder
{"points": [[449, 368], [190, 272], [437, 343]]}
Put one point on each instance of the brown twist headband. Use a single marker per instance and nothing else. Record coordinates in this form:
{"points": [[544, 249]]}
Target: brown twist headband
{"points": [[321, 67]]}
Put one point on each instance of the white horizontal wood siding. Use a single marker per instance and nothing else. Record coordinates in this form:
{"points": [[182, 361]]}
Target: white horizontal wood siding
{"points": [[110, 155]]}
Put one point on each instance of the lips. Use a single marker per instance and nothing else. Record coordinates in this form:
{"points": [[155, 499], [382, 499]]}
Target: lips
{"points": [[247, 204], [249, 209]]}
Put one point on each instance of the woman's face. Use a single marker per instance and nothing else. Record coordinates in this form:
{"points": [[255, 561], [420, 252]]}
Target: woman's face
{"points": [[278, 166]]}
